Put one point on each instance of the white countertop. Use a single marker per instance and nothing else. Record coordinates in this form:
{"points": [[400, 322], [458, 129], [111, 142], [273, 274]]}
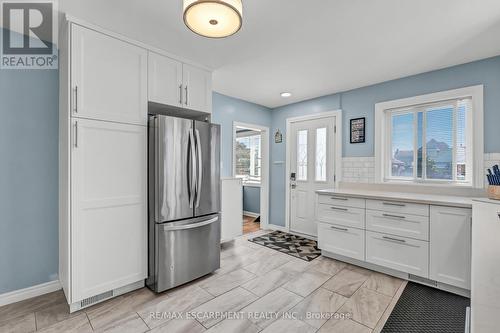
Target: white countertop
{"points": [[430, 199], [490, 201]]}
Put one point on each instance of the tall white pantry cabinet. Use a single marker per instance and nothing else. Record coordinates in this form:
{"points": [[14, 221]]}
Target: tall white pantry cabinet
{"points": [[103, 166]]}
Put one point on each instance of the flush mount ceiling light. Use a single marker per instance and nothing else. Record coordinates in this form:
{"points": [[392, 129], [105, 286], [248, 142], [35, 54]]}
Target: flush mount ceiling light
{"points": [[286, 94], [213, 18]]}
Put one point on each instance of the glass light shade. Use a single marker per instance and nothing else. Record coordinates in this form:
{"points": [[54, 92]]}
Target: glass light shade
{"points": [[213, 18]]}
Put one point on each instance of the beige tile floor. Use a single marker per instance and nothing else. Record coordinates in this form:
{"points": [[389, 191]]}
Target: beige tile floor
{"points": [[264, 291]]}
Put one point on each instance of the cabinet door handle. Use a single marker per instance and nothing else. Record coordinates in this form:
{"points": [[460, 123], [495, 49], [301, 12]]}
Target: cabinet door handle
{"points": [[337, 228], [76, 134], [186, 89], [339, 198], [394, 239], [394, 204], [180, 94], [338, 208], [76, 99], [394, 216]]}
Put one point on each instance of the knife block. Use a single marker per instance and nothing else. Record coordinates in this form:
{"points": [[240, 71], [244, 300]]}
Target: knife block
{"points": [[494, 192]]}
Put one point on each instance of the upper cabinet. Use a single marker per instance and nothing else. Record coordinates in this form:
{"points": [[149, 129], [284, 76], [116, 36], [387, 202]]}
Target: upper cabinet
{"points": [[178, 84], [108, 78], [197, 88], [165, 80]]}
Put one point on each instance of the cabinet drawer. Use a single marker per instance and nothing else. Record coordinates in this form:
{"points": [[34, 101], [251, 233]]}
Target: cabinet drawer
{"points": [[405, 225], [341, 201], [347, 216], [349, 242], [399, 253], [398, 207]]}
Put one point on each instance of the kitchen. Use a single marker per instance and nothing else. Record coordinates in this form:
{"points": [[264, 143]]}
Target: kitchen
{"points": [[128, 170]]}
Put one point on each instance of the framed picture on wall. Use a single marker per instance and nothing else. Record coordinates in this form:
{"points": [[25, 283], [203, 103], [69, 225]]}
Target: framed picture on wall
{"points": [[358, 130]]}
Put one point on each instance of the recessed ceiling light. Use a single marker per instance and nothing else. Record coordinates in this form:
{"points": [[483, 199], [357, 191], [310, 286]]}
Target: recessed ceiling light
{"points": [[286, 94]]}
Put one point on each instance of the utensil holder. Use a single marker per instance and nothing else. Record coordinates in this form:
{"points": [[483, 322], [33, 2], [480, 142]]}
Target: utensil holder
{"points": [[494, 192]]}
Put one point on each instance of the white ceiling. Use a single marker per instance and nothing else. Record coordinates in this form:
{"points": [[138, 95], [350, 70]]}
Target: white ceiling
{"points": [[312, 47]]}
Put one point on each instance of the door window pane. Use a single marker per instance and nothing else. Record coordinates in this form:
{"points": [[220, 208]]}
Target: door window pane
{"points": [[321, 154], [402, 145], [439, 143], [302, 155]]}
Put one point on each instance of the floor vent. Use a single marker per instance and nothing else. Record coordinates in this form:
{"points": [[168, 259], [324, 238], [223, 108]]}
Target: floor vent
{"points": [[97, 298], [422, 280]]}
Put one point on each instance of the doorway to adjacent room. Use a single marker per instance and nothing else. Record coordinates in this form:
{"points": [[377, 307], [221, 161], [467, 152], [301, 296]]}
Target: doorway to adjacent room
{"points": [[251, 165]]}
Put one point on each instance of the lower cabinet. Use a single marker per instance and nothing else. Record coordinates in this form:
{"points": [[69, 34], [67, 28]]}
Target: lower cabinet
{"points": [[450, 245], [485, 293], [346, 241], [429, 241], [399, 253], [108, 206]]}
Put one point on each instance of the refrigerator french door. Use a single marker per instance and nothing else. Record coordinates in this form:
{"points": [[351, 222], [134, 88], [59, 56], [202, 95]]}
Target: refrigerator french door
{"points": [[184, 200]]}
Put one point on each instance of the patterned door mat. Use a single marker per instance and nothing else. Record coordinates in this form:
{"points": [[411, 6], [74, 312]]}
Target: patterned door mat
{"points": [[299, 247], [422, 309]]}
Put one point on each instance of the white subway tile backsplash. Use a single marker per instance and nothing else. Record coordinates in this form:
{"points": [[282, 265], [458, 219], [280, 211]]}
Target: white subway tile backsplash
{"points": [[362, 169]]}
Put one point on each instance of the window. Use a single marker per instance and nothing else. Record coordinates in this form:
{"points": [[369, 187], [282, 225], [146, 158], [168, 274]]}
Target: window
{"points": [[249, 158], [431, 139], [302, 155], [321, 154]]}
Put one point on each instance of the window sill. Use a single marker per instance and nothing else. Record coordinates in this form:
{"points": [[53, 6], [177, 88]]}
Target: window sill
{"points": [[429, 184], [251, 184]]}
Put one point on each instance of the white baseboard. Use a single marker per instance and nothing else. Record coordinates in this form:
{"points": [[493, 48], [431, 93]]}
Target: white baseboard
{"points": [[251, 214], [30, 292]]}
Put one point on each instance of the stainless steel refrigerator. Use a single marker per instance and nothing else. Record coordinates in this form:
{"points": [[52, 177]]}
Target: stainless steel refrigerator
{"points": [[184, 200]]}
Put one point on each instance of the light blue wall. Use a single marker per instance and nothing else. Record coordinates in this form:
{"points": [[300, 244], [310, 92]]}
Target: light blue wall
{"points": [[225, 111], [28, 178], [251, 199], [361, 102]]}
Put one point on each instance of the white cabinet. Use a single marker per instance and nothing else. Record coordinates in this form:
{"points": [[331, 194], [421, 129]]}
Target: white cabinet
{"points": [[165, 80], [197, 88], [231, 209], [399, 224], [172, 82], [108, 78], [450, 245], [485, 292], [399, 253], [108, 206], [103, 166], [348, 242], [336, 214]]}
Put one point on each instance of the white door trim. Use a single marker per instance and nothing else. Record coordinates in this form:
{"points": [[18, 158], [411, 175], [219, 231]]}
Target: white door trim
{"points": [[264, 187], [337, 158]]}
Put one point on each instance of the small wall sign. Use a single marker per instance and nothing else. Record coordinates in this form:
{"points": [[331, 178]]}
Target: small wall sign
{"points": [[278, 137], [358, 130]]}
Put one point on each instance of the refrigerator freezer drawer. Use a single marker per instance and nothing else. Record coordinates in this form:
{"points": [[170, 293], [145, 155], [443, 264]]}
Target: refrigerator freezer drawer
{"points": [[186, 250]]}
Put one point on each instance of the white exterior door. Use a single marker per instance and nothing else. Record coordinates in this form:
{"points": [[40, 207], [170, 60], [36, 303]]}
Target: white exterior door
{"points": [[108, 78], [164, 80], [197, 88], [108, 206], [312, 163]]}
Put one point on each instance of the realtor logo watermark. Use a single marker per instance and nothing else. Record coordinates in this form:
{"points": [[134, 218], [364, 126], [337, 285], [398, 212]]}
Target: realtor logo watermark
{"points": [[29, 34]]}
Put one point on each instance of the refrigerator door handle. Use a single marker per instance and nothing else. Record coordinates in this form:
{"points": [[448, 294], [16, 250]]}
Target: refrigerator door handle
{"points": [[191, 226], [200, 168], [191, 162]]}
